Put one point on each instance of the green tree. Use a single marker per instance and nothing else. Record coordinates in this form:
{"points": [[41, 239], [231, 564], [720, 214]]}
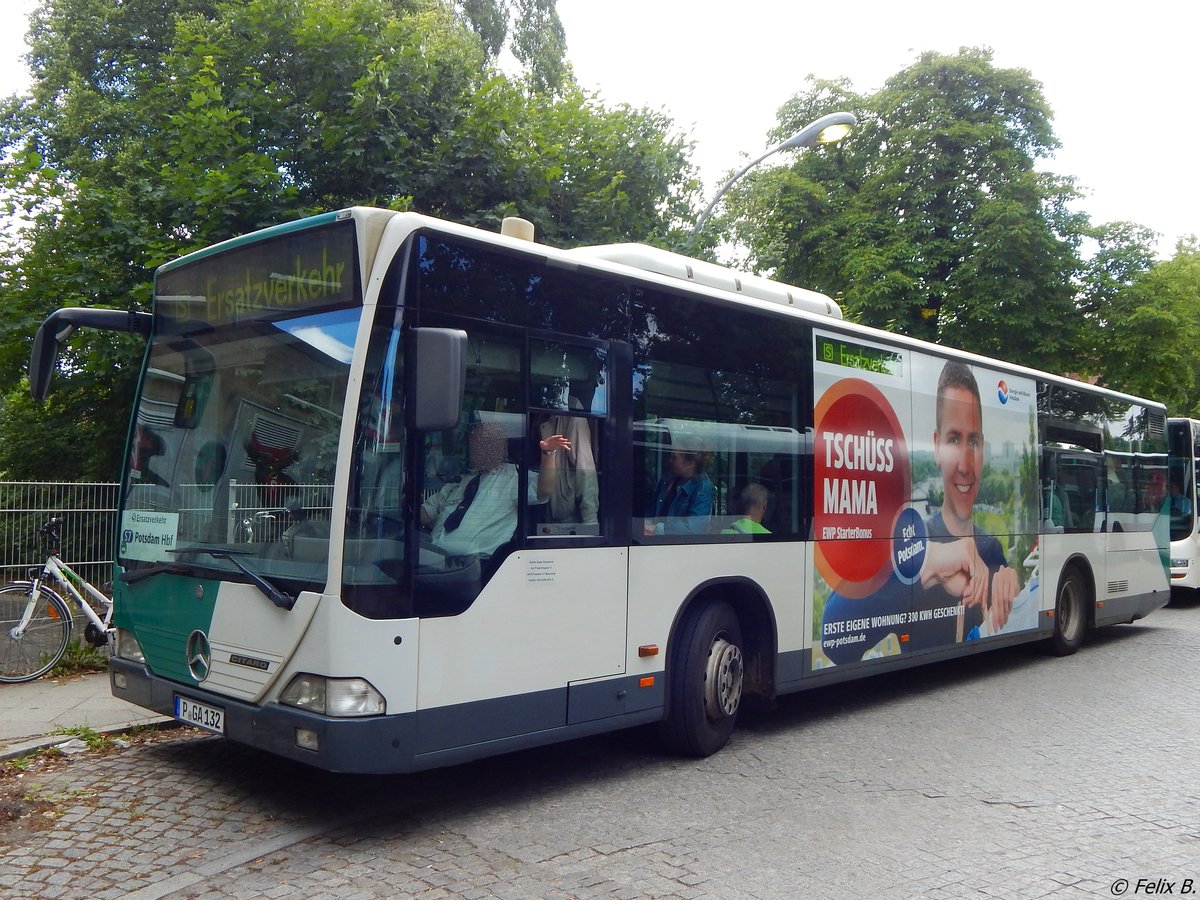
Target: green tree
{"points": [[540, 43], [158, 126], [489, 20], [930, 219], [536, 37], [1148, 331], [1119, 254]]}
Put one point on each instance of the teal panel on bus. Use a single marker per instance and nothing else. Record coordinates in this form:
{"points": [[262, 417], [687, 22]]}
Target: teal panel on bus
{"points": [[161, 612], [1162, 536]]}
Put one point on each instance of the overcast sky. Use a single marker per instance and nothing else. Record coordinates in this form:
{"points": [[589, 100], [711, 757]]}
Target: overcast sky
{"points": [[1121, 79], [1112, 73]]}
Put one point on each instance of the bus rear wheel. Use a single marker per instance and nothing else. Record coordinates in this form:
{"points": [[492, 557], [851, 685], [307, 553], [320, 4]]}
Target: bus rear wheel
{"points": [[1070, 615], [704, 684]]}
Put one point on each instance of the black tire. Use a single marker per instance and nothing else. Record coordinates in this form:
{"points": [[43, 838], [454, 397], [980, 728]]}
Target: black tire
{"points": [[704, 683], [44, 640], [1070, 614]]}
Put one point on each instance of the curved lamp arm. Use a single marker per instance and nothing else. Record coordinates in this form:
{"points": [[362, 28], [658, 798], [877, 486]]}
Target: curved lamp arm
{"points": [[825, 130]]}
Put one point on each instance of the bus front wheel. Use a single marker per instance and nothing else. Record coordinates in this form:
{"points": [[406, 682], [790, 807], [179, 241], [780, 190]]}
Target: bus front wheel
{"points": [[1070, 614], [704, 684]]}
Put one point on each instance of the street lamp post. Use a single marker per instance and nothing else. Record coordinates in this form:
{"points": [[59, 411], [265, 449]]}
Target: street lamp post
{"points": [[825, 130]]}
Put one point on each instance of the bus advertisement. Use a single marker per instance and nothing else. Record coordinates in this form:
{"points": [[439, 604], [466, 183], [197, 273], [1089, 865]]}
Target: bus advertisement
{"points": [[925, 470], [401, 494]]}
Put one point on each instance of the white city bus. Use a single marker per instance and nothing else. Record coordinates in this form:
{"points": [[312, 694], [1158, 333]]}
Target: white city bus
{"points": [[758, 496], [1184, 438]]}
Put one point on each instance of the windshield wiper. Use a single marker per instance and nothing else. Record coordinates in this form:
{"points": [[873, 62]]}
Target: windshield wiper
{"points": [[274, 594], [172, 568]]}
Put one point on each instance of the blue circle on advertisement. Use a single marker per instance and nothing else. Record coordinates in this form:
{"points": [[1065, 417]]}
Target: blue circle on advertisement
{"points": [[908, 545]]}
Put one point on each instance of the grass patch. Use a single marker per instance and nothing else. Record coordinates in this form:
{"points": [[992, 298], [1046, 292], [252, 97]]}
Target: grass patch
{"points": [[94, 739], [80, 659], [16, 765]]}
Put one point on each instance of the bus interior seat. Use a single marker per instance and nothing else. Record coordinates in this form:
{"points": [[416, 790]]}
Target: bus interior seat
{"points": [[1068, 516]]}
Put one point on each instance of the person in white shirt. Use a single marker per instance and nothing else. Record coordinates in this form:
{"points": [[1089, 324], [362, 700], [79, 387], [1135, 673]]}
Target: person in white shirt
{"points": [[475, 516]]}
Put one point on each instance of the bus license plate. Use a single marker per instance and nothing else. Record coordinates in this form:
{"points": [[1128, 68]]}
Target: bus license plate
{"points": [[210, 718]]}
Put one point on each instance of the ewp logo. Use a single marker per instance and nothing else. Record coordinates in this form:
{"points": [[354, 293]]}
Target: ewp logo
{"points": [[1002, 391]]}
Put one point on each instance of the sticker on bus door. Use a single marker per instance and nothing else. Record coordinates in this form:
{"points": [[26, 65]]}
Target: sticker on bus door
{"points": [[148, 536], [926, 502]]}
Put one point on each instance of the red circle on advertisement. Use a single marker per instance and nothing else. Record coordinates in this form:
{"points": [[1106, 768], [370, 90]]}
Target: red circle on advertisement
{"points": [[862, 483]]}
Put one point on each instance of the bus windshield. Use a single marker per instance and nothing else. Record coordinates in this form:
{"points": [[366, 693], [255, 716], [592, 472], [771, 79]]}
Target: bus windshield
{"points": [[235, 436], [1181, 478]]}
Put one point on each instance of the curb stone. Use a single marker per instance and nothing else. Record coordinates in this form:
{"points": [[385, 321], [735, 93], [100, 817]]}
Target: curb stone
{"points": [[29, 746]]}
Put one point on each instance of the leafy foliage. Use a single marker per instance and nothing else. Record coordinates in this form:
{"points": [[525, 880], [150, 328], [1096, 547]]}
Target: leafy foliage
{"points": [[489, 20], [1150, 330], [540, 42], [931, 218], [937, 219], [155, 127], [79, 659]]}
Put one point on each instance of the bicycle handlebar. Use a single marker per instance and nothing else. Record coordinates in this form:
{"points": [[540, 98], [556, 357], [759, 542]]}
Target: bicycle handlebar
{"points": [[49, 531]]}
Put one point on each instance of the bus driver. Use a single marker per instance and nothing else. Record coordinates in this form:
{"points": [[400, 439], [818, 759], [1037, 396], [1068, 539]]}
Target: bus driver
{"points": [[475, 516]]}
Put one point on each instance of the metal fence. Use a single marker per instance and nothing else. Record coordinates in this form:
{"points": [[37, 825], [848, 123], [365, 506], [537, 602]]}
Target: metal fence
{"points": [[89, 514], [88, 511]]}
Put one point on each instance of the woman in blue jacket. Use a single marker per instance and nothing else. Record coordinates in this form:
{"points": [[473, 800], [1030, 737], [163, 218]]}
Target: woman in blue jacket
{"points": [[683, 499]]}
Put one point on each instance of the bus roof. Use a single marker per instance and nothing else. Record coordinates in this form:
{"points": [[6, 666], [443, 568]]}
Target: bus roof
{"points": [[653, 261], [695, 271]]}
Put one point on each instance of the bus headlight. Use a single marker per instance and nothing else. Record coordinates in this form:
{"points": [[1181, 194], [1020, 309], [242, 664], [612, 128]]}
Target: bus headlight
{"points": [[1179, 563], [127, 646], [339, 697]]}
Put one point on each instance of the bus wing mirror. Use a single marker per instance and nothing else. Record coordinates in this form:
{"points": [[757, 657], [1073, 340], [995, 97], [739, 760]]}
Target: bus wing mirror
{"points": [[441, 376], [53, 333]]}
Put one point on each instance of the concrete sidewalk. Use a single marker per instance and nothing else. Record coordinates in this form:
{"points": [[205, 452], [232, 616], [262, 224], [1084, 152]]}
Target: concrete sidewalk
{"points": [[31, 712]]}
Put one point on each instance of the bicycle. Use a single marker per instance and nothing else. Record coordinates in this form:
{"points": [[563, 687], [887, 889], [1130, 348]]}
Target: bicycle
{"points": [[35, 622]]}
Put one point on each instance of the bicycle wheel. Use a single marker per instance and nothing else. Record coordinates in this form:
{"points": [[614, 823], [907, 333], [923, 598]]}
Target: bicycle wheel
{"points": [[45, 638]]}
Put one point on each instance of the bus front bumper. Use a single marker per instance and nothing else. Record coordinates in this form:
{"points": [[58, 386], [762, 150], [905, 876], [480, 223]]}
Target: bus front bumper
{"points": [[374, 745]]}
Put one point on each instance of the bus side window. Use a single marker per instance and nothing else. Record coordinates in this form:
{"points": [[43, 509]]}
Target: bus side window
{"points": [[731, 391]]}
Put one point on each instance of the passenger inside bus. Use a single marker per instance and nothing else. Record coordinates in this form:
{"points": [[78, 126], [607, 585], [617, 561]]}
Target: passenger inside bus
{"points": [[683, 498], [1056, 511], [752, 504], [1181, 504], [572, 490]]}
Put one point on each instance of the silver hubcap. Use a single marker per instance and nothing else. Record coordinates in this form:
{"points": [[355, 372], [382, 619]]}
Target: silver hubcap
{"points": [[722, 680]]}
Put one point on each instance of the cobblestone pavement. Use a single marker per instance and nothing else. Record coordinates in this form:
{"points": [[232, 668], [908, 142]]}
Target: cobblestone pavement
{"points": [[1012, 774]]}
